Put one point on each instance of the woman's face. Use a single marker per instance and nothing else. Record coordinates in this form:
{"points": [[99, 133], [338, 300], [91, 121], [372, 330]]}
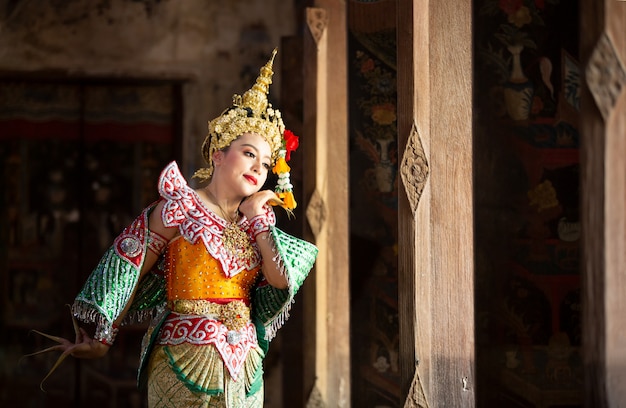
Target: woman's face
{"points": [[245, 164]]}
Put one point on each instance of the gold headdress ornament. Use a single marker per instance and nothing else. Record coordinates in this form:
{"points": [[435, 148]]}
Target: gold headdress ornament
{"points": [[252, 113]]}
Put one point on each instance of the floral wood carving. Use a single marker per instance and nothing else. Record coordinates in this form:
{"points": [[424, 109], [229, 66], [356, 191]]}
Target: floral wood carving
{"points": [[606, 76], [416, 397], [414, 169], [316, 213], [315, 399], [317, 20]]}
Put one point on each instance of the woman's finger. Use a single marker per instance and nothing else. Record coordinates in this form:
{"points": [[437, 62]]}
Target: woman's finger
{"points": [[253, 205], [265, 196]]}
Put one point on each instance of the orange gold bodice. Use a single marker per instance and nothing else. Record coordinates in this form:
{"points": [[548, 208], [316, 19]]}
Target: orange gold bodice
{"points": [[192, 273]]}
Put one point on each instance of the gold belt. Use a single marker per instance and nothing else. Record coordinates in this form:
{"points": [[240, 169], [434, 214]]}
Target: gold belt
{"points": [[235, 315]]}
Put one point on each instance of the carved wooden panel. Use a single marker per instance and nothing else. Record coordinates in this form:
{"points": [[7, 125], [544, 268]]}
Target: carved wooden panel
{"points": [[416, 397], [316, 20], [414, 169], [316, 213], [606, 76]]}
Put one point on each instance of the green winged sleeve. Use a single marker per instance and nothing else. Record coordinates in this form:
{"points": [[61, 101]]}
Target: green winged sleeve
{"points": [[110, 286], [270, 305]]}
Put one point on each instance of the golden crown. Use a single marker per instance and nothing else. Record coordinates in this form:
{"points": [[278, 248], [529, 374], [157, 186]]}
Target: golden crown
{"points": [[249, 113]]}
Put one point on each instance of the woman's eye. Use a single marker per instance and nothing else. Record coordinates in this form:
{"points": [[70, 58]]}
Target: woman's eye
{"points": [[267, 166], [250, 154]]}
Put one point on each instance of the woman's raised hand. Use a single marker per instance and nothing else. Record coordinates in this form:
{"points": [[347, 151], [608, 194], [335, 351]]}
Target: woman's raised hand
{"points": [[252, 205]]}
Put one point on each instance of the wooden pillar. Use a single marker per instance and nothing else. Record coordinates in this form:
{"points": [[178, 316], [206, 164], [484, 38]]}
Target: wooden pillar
{"points": [[327, 366], [436, 254], [603, 165]]}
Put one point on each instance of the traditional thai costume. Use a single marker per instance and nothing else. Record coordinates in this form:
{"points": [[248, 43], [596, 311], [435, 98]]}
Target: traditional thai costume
{"points": [[211, 312]]}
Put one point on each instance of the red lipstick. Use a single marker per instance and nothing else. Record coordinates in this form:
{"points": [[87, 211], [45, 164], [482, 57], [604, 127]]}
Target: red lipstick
{"points": [[251, 179]]}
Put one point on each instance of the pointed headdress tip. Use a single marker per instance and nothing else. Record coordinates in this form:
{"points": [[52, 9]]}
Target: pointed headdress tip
{"points": [[256, 97], [274, 52]]}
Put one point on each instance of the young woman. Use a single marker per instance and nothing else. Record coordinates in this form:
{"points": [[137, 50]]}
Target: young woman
{"points": [[207, 266]]}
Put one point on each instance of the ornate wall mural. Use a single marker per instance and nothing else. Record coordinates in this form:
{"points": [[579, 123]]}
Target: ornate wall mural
{"points": [[374, 182], [527, 202]]}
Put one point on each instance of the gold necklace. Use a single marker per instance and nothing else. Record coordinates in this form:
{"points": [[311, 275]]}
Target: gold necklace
{"points": [[235, 240], [222, 212]]}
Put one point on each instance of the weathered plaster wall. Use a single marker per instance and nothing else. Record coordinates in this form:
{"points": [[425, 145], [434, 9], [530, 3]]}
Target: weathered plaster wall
{"points": [[217, 46]]}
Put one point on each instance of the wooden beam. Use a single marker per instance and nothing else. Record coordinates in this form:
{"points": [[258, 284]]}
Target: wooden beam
{"points": [[436, 214], [326, 126], [603, 184]]}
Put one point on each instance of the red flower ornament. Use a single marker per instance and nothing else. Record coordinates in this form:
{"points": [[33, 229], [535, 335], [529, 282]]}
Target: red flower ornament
{"points": [[291, 143]]}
